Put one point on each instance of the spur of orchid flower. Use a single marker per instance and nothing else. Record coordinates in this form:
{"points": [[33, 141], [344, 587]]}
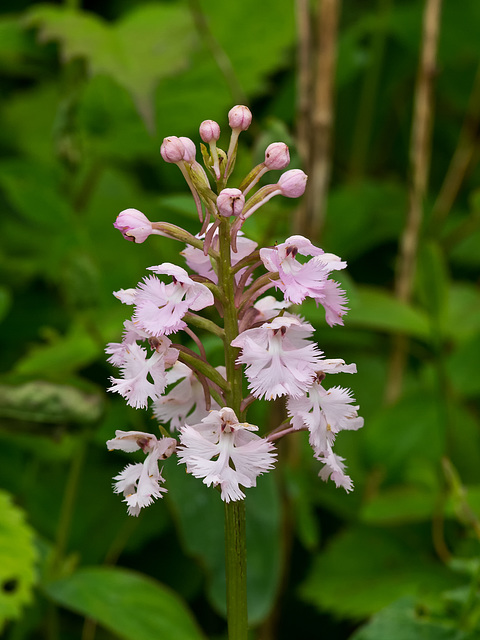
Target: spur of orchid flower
{"points": [[223, 290]]}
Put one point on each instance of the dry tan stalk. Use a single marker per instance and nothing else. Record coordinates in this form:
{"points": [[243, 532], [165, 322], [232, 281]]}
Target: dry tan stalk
{"points": [[420, 147]]}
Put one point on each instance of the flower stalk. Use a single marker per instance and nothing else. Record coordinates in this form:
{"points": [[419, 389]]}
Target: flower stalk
{"points": [[205, 404]]}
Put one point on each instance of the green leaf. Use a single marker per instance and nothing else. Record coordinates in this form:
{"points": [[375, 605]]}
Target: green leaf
{"points": [[463, 321], [398, 505], [364, 569], [64, 354], [378, 309], [353, 208], [434, 282], [418, 429], [462, 367], [17, 560], [149, 43], [401, 621], [127, 603]]}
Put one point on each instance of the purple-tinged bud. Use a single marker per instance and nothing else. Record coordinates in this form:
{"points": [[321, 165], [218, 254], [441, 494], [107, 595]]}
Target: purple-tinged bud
{"points": [[292, 183], [172, 149], [230, 202], [190, 150], [209, 130], [277, 156], [239, 117], [133, 225]]}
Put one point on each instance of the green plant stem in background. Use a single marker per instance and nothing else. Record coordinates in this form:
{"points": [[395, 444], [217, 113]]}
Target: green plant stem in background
{"points": [[367, 105], [68, 504], [235, 542]]}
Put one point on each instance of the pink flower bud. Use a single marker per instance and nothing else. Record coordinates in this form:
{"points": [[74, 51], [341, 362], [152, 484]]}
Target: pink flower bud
{"points": [[292, 183], [230, 202], [190, 150], [209, 130], [133, 225], [277, 156], [239, 117], [172, 149]]}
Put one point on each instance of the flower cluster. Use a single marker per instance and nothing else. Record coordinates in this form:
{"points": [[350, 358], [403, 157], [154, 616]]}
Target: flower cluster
{"points": [[228, 278]]}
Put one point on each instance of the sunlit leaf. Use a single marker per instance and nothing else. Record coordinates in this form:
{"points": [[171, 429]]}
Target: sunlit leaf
{"points": [[17, 560]]}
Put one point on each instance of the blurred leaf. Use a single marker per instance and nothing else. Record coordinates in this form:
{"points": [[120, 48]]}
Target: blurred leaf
{"points": [[302, 504], [463, 319], [63, 355], [462, 367], [399, 505], [40, 401], [15, 47], [34, 191], [354, 208], [149, 43], [378, 309], [17, 560], [200, 515], [127, 603], [364, 569], [110, 124], [401, 621], [204, 91], [411, 430], [434, 281]]}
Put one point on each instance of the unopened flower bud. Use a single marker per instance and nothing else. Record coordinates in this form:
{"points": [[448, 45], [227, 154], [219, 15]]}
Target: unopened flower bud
{"points": [[277, 156], [292, 183], [209, 130], [172, 149], [190, 150], [239, 117], [133, 225], [230, 202]]}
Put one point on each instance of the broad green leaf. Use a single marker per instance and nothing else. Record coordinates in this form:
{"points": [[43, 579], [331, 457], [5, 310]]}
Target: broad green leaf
{"points": [[200, 515], [209, 88], [64, 354], [400, 504], [402, 620], [401, 435], [364, 569], [463, 319], [17, 560], [354, 208], [149, 43], [34, 191], [378, 309], [127, 603]]}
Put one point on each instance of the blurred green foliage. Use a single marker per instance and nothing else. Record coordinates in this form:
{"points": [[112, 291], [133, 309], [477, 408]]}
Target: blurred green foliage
{"points": [[87, 96]]}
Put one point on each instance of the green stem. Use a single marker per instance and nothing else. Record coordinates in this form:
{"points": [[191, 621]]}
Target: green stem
{"points": [[236, 569], [235, 540], [68, 504]]}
